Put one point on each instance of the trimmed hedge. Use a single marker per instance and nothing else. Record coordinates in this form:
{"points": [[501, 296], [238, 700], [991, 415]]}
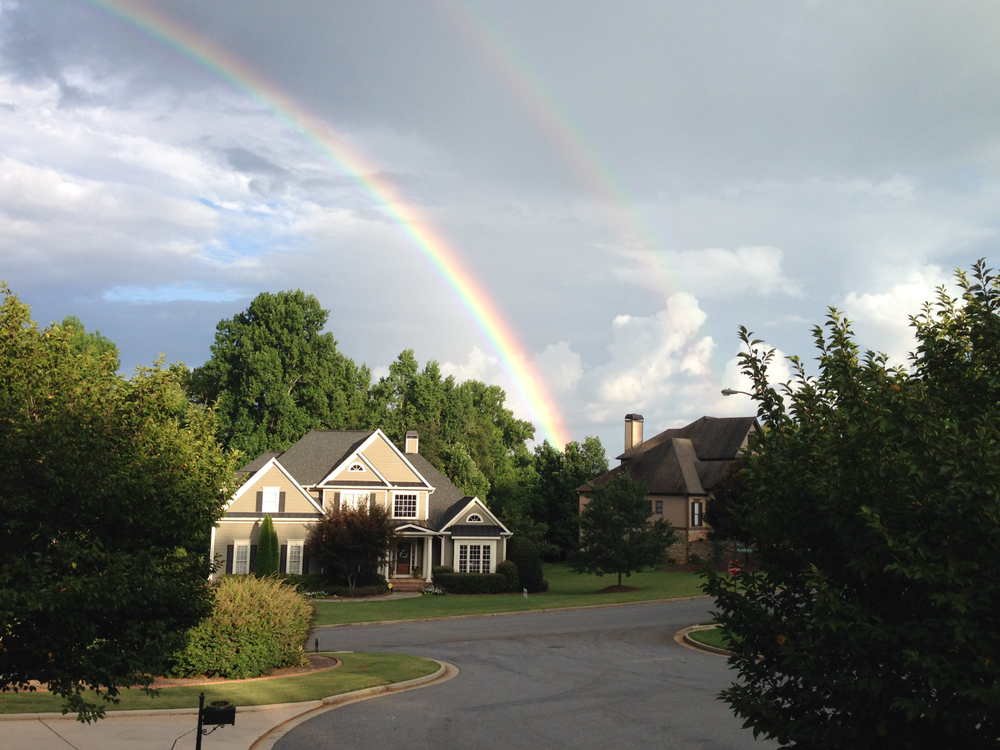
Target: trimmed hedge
{"points": [[257, 625], [524, 555], [472, 583], [509, 571]]}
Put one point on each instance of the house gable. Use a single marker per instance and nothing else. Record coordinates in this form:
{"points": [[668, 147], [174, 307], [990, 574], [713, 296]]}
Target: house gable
{"points": [[383, 459], [272, 475], [463, 520]]}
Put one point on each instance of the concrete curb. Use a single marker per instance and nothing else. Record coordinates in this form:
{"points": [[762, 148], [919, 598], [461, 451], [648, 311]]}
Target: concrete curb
{"points": [[267, 740], [683, 638], [506, 614]]}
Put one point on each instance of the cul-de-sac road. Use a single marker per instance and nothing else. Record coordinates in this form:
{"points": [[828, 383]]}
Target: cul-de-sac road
{"points": [[599, 678]]}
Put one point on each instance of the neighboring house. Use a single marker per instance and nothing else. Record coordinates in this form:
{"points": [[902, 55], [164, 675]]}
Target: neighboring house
{"points": [[679, 467], [436, 522]]}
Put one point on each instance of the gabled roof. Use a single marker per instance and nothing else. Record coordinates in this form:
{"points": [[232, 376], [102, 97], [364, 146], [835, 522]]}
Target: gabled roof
{"points": [[713, 438], [276, 463], [668, 468], [313, 457], [445, 495]]}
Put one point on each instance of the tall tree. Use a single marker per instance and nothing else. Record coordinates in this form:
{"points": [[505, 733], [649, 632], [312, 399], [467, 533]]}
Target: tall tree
{"points": [[268, 554], [109, 489], [615, 535], [275, 375], [558, 504], [873, 498]]}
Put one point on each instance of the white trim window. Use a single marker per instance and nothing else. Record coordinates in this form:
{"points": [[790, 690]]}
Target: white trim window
{"points": [[356, 467], [474, 518], [404, 505], [293, 564], [353, 500], [271, 500], [241, 557], [696, 514], [474, 558]]}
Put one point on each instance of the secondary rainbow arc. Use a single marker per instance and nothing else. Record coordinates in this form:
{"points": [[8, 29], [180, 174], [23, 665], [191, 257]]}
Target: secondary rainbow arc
{"points": [[430, 243]]}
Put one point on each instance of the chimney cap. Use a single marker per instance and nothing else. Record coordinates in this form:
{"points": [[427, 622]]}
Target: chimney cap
{"points": [[633, 417], [413, 433]]}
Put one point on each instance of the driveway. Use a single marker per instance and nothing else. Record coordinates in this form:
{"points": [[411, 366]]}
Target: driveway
{"points": [[602, 678]]}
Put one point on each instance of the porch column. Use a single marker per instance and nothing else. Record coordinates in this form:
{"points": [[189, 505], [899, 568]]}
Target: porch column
{"points": [[428, 547]]}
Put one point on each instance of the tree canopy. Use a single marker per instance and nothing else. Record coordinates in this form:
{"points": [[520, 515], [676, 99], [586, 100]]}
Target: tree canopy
{"points": [[351, 543], [873, 499], [274, 375], [616, 536], [109, 489]]}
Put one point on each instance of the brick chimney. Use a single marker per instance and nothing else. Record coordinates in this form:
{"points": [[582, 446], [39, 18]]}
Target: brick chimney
{"points": [[412, 442], [633, 431]]}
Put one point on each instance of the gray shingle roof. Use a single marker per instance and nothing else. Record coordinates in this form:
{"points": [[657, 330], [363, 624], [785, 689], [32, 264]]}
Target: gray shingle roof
{"points": [[717, 438], [446, 500]]}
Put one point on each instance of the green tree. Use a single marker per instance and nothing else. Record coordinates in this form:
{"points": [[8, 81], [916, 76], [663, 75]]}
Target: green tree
{"points": [[110, 488], [724, 509], [558, 503], [351, 543], [873, 497], [93, 344], [615, 535], [275, 375], [268, 561]]}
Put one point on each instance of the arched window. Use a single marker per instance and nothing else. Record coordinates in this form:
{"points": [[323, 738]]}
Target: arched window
{"points": [[474, 518], [356, 467]]}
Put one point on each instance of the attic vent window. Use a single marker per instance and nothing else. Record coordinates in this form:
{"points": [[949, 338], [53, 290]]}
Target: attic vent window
{"points": [[356, 467], [474, 518]]}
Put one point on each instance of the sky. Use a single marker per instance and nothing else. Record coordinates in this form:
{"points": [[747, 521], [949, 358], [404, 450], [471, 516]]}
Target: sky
{"points": [[622, 184]]}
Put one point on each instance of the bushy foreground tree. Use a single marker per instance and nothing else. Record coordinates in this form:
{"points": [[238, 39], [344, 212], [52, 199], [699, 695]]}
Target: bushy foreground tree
{"points": [[351, 543], [873, 498], [109, 489], [616, 535]]}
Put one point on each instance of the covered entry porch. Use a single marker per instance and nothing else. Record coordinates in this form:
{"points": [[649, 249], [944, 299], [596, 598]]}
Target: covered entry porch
{"points": [[411, 559]]}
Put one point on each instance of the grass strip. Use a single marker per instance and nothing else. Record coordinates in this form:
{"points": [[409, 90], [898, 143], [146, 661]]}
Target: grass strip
{"points": [[716, 637], [357, 671], [566, 589]]}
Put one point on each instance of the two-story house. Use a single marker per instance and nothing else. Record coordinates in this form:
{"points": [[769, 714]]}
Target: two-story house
{"points": [[437, 524]]}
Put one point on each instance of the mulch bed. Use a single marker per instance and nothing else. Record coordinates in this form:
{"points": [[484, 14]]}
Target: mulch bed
{"points": [[617, 589], [316, 664]]}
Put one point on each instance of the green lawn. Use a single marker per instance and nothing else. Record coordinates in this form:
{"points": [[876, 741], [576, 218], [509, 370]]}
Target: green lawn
{"points": [[565, 590], [714, 637], [357, 671]]}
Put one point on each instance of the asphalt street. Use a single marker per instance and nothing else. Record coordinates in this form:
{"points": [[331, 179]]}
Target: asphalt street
{"points": [[600, 678]]}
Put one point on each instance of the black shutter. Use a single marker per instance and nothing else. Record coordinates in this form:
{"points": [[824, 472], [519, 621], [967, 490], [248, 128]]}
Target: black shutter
{"points": [[305, 559], [282, 566], [336, 501], [281, 502], [260, 502], [371, 502], [253, 557], [229, 559]]}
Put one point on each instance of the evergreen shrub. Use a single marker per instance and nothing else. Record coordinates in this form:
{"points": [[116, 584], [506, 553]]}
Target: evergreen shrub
{"points": [[472, 583], [441, 569], [268, 560], [257, 625], [509, 571], [523, 553]]}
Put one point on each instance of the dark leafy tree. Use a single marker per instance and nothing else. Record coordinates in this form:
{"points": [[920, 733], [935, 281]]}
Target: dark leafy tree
{"points": [[275, 375], [615, 534], [268, 554], [727, 503], [109, 489], [524, 554], [873, 497], [351, 543], [557, 502]]}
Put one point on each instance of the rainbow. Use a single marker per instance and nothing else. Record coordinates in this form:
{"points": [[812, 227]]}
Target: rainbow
{"points": [[430, 243], [553, 120]]}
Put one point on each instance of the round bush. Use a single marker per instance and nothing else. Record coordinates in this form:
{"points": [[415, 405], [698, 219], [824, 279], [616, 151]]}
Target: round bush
{"points": [[509, 571], [524, 555], [257, 625]]}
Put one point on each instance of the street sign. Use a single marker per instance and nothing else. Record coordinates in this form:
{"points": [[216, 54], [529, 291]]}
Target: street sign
{"points": [[735, 567], [748, 550]]}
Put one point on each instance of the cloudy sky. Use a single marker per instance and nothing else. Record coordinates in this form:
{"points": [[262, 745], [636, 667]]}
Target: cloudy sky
{"points": [[626, 182]]}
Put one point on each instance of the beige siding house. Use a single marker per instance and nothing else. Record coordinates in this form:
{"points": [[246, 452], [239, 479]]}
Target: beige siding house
{"points": [[436, 522], [679, 467]]}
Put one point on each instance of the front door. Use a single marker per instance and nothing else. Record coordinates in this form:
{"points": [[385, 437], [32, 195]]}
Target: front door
{"points": [[403, 559]]}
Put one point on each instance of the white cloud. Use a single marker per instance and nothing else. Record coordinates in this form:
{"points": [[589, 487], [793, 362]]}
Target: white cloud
{"points": [[479, 366], [560, 367]]}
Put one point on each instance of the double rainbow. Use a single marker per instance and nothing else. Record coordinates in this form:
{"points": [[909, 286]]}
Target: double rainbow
{"points": [[530, 386]]}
